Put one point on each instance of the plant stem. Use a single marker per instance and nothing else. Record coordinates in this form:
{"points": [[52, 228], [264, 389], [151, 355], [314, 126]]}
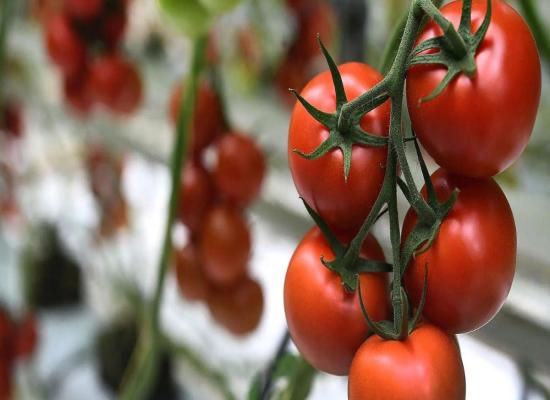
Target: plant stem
{"points": [[268, 381], [7, 7], [144, 363], [532, 15]]}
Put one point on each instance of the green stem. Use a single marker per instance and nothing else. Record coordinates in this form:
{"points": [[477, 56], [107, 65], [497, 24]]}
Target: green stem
{"points": [[7, 7], [532, 15], [143, 366]]}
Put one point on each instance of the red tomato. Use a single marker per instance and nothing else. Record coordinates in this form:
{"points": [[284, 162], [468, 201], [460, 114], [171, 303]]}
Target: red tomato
{"points": [[12, 119], [425, 366], [197, 196], [113, 27], [240, 168], [343, 205], [78, 96], [6, 378], [316, 19], [84, 10], [472, 261], [7, 331], [64, 46], [238, 308], [191, 279], [207, 117], [324, 320], [27, 337], [225, 245], [116, 84], [478, 127]]}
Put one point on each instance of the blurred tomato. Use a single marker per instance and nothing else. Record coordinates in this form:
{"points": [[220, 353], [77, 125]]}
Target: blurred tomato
{"points": [[11, 121], [26, 337], [84, 9], [65, 48], [197, 196], [192, 282], [77, 93]]}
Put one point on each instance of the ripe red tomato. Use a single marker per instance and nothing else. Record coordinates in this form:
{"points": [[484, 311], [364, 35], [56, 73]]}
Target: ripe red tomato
{"points": [[324, 320], [84, 10], [478, 127], [27, 337], [343, 205], [191, 279], [207, 117], [425, 366], [238, 308], [6, 378], [116, 84], [113, 27], [472, 261], [316, 18], [197, 196], [12, 119], [225, 245], [65, 48], [77, 93], [6, 335], [240, 168]]}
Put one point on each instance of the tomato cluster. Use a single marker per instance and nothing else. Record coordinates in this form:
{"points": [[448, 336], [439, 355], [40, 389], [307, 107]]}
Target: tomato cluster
{"points": [[459, 279], [105, 178], [18, 341], [83, 39], [299, 63], [213, 266]]}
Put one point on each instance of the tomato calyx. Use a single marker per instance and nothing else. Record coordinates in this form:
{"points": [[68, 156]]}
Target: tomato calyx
{"points": [[444, 50], [348, 272], [344, 133]]}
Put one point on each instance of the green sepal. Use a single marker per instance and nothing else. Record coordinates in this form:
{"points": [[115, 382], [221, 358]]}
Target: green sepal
{"points": [[341, 97], [420, 309], [384, 329], [322, 117], [333, 242], [432, 198]]}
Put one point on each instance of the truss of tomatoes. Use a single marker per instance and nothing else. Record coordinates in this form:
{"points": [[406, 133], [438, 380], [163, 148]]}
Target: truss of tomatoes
{"points": [[477, 127], [213, 266], [83, 39], [18, 342]]}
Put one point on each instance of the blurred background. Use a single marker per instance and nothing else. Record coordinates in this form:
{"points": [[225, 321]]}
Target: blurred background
{"points": [[88, 109]]}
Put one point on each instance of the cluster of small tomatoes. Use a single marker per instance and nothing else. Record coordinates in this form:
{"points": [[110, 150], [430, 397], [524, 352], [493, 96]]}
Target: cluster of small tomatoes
{"points": [[83, 39], [213, 266], [105, 178], [299, 63], [474, 129], [18, 341]]}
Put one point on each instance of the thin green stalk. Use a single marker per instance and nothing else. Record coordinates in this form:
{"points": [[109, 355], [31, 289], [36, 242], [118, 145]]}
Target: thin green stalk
{"points": [[7, 7], [143, 367], [532, 15]]}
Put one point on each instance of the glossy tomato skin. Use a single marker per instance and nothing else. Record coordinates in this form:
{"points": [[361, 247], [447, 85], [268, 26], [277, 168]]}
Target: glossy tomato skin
{"points": [[225, 245], [116, 84], [324, 320], [65, 48], [478, 127], [472, 261], [240, 168], [238, 308], [197, 196], [207, 116], [343, 205], [425, 366], [192, 282]]}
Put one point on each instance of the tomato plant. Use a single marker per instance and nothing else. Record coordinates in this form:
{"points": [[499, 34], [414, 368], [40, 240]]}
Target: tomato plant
{"points": [[225, 245], [240, 168], [343, 204], [425, 366], [324, 319], [472, 260], [479, 126]]}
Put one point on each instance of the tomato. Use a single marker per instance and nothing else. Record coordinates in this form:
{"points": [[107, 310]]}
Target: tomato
{"points": [[27, 337], [324, 320], [192, 282], [219, 6], [84, 10], [478, 127], [116, 84], [11, 120], [239, 308], [472, 261], [318, 18], [6, 335], [65, 48], [197, 196], [6, 380], [225, 245], [77, 93], [425, 366], [240, 168], [343, 205], [190, 16], [207, 115], [113, 27]]}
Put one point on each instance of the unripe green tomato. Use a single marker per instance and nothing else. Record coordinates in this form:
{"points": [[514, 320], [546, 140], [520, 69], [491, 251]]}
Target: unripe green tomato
{"points": [[219, 6], [188, 15]]}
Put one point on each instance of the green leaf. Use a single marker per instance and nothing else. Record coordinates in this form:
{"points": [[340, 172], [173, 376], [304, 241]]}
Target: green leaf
{"points": [[188, 16]]}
